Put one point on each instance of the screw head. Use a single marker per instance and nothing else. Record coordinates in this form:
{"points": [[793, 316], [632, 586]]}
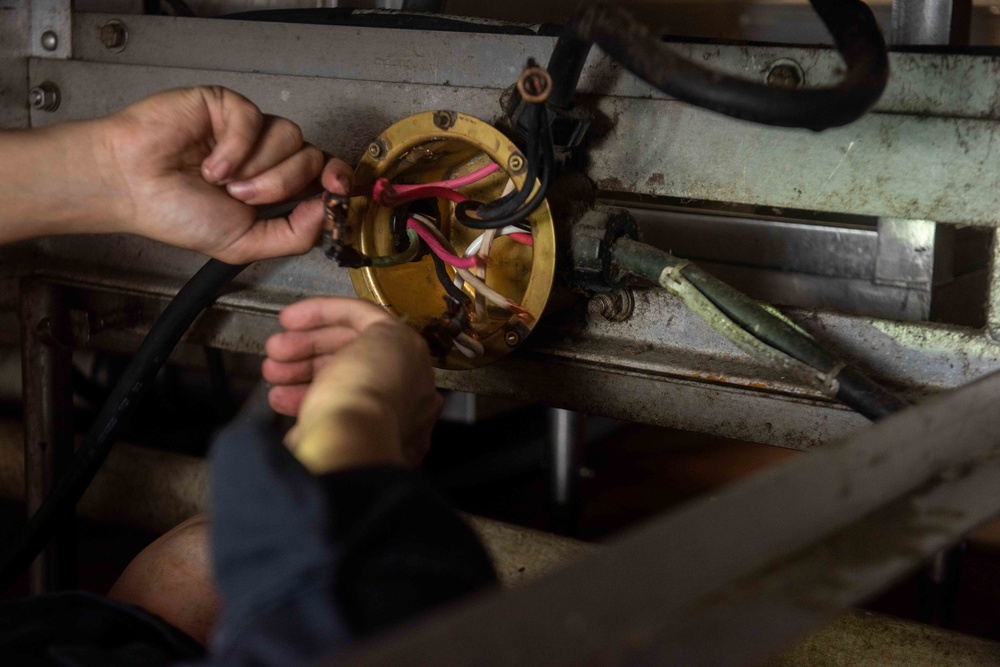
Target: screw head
{"points": [[515, 163], [785, 73], [44, 97], [50, 40], [512, 338], [375, 149], [114, 34]]}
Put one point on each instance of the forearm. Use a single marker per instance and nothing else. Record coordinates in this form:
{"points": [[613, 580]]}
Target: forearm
{"points": [[57, 180]]}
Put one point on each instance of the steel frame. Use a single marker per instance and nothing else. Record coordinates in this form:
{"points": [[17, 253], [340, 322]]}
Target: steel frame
{"points": [[766, 549]]}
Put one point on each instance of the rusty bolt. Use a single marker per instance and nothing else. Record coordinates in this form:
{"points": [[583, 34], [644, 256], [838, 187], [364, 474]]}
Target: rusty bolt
{"points": [[114, 34], [785, 73], [513, 338], [50, 40], [614, 306], [376, 149], [44, 97], [516, 163], [443, 120]]}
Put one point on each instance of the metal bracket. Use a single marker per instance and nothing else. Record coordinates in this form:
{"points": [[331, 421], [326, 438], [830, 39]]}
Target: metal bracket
{"points": [[51, 29]]}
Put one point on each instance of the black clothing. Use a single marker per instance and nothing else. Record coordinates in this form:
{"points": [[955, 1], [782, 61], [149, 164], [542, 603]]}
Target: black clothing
{"points": [[306, 565]]}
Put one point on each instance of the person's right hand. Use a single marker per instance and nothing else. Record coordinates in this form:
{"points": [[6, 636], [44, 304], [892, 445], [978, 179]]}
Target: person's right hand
{"points": [[193, 163], [359, 380]]}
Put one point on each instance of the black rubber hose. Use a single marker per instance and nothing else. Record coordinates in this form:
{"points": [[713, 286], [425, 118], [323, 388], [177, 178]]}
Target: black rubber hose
{"points": [[191, 300], [628, 41]]}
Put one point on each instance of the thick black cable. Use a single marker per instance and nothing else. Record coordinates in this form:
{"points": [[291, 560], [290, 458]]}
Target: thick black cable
{"points": [[629, 42], [191, 300]]}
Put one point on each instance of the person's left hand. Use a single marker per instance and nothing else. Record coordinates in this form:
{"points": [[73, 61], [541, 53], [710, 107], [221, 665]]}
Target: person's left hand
{"points": [[358, 379], [194, 162]]}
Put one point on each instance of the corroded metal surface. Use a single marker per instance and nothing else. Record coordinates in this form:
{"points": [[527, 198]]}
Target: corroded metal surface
{"points": [[730, 578]]}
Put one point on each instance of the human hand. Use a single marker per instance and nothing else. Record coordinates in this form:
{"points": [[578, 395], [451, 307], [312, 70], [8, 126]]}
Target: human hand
{"points": [[359, 380], [192, 164]]}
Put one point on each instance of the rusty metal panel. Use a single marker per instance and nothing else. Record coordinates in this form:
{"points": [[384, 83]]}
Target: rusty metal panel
{"points": [[884, 165], [932, 84]]}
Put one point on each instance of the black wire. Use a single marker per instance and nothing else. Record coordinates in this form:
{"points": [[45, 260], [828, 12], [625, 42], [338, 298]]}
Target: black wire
{"points": [[194, 297], [449, 286], [628, 41], [508, 204], [546, 174]]}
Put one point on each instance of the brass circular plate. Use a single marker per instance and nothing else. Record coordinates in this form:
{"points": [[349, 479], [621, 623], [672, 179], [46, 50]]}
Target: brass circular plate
{"points": [[423, 149]]}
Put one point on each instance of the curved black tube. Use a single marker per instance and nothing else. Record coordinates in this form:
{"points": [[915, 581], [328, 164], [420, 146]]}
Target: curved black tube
{"points": [[629, 42], [194, 297]]}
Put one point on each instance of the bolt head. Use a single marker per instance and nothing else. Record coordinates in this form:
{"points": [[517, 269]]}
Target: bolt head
{"points": [[443, 120], [375, 149], [114, 35], [50, 40], [512, 338], [785, 73], [515, 163]]}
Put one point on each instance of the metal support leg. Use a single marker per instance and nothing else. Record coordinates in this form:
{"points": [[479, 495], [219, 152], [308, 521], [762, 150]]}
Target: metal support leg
{"points": [[930, 21], [993, 302], [46, 359], [567, 434]]}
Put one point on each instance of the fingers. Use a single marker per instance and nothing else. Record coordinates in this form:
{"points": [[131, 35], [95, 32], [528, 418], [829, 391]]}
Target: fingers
{"points": [[279, 139], [332, 311], [236, 125], [298, 345], [337, 177], [287, 400], [282, 181], [293, 372]]}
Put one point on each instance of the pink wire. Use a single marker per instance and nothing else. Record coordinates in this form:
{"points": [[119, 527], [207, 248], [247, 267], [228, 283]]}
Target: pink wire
{"points": [[521, 238], [454, 183], [438, 249], [387, 195], [451, 184]]}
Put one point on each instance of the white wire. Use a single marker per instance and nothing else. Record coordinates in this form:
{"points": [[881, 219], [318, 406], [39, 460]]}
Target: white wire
{"points": [[471, 343], [491, 294], [464, 350], [477, 243]]}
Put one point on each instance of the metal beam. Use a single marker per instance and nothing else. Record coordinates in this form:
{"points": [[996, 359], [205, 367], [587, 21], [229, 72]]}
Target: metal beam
{"points": [[883, 165], [730, 578], [46, 363]]}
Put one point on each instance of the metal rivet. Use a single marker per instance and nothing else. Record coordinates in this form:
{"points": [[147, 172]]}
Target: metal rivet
{"points": [[114, 34], [512, 338], [444, 119], [515, 163], [785, 73], [50, 40], [44, 97], [375, 149]]}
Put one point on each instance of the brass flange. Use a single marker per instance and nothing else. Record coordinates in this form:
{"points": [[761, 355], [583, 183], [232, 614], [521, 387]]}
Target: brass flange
{"points": [[441, 145]]}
